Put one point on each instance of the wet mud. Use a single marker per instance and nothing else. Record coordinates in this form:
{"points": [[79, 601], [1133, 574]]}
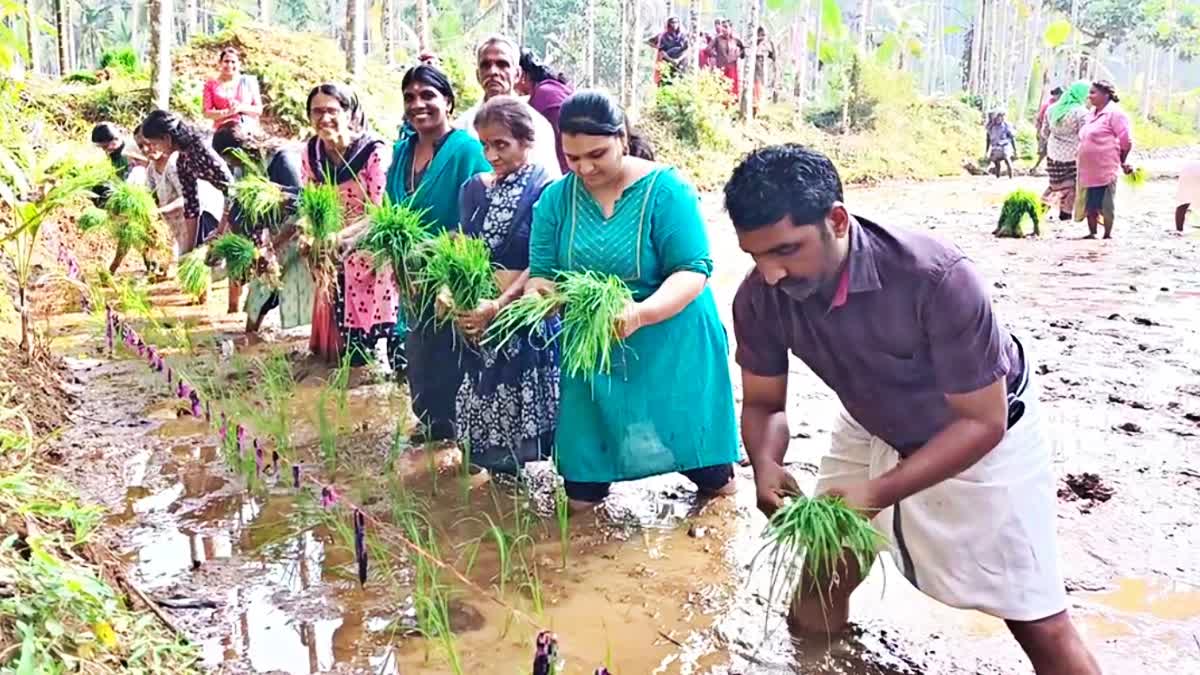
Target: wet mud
{"points": [[659, 582]]}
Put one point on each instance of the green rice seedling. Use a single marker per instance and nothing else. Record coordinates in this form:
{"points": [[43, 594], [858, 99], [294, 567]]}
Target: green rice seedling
{"points": [[820, 531], [562, 516], [517, 317], [193, 273], [332, 409], [260, 201], [238, 252], [397, 237], [533, 586], [132, 202], [1020, 206], [92, 218], [321, 218], [459, 267], [1137, 178]]}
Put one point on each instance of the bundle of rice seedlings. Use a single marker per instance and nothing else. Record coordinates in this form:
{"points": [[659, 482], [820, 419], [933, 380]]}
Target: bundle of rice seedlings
{"points": [[591, 303], [261, 201], [321, 218], [1137, 178], [819, 531], [396, 237], [239, 255], [193, 273], [92, 218], [459, 267], [1020, 206], [128, 215]]}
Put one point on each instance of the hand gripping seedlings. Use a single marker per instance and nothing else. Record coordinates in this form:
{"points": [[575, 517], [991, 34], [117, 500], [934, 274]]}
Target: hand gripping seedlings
{"points": [[239, 254]]}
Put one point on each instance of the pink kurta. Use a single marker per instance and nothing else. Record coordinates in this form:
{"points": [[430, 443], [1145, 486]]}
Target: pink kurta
{"points": [[371, 295], [1104, 137]]}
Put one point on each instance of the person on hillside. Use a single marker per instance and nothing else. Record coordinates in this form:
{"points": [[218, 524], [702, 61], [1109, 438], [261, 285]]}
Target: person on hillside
{"points": [[430, 165], [765, 51], [282, 165], [231, 97], [1001, 143], [363, 306], [705, 57], [1043, 126], [507, 404], [168, 133], [1064, 119], [1187, 192], [546, 89], [1105, 141], [727, 50], [626, 216], [670, 52], [884, 315], [499, 71]]}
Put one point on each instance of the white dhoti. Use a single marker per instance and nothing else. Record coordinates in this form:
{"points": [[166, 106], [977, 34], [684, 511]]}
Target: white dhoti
{"points": [[984, 539]]}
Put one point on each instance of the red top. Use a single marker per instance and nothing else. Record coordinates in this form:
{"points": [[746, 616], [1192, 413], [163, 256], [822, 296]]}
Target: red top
{"points": [[245, 94]]}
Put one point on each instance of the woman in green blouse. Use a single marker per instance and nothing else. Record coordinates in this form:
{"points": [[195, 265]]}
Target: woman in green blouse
{"points": [[430, 162], [668, 403]]}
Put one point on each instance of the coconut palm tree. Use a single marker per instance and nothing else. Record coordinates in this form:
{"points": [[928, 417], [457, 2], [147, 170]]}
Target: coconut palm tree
{"points": [[162, 19], [355, 58]]}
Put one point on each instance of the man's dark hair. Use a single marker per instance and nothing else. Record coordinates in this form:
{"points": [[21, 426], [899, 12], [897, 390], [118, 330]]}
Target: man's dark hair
{"points": [[782, 180], [1057, 91], [105, 132]]}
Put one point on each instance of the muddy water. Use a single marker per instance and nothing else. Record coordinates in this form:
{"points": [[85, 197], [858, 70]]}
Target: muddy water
{"points": [[661, 583]]}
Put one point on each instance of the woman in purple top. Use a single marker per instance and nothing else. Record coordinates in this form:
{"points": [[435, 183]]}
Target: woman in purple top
{"points": [[546, 90], [1104, 144]]}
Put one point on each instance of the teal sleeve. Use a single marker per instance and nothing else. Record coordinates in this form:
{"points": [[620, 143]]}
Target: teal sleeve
{"points": [[677, 234], [543, 232]]}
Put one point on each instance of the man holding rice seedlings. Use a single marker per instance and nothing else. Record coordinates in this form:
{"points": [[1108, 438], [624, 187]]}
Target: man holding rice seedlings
{"points": [[941, 440]]}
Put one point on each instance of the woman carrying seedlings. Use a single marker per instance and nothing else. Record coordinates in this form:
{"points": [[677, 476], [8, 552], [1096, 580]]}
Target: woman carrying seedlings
{"points": [[431, 163], [1065, 118], [1104, 144], [363, 300], [282, 166], [640, 221], [231, 97], [168, 133], [508, 401]]}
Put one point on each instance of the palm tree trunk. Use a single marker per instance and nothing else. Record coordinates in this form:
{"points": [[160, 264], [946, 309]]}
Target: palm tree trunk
{"points": [[135, 23], [694, 42], [589, 58], [1169, 89], [355, 59], [422, 25], [864, 25], [1145, 107], [633, 45], [749, 65], [191, 18], [800, 55], [162, 21], [974, 76], [62, 28], [816, 75], [31, 37], [264, 12], [388, 28], [623, 88]]}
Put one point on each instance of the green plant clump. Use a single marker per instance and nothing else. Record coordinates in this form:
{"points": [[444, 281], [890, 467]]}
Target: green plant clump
{"points": [[1020, 206], [820, 531], [238, 252], [82, 77], [461, 267], [396, 238], [122, 58], [1136, 178], [193, 273], [260, 201]]}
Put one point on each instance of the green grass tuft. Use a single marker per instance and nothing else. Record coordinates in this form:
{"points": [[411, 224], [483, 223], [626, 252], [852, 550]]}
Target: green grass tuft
{"points": [[261, 201], [92, 218], [193, 273], [238, 252], [461, 266]]}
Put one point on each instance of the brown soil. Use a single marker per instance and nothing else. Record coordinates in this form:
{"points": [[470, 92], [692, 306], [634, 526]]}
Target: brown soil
{"points": [[35, 386], [1084, 486]]}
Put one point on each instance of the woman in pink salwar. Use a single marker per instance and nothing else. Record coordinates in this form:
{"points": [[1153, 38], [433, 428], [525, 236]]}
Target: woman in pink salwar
{"points": [[1104, 144], [363, 307]]}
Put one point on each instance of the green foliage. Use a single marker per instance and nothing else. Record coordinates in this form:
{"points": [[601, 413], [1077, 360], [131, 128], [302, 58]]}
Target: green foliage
{"points": [[1027, 143], [1136, 179], [320, 209], [260, 201], [193, 273], [1020, 206], [92, 218], [284, 98], [460, 70], [82, 77], [122, 58], [238, 252], [396, 237], [122, 103], [460, 267], [694, 109]]}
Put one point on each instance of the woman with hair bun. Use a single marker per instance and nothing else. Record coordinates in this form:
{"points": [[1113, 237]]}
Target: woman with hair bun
{"points": [[166, 132], [626, 216]]}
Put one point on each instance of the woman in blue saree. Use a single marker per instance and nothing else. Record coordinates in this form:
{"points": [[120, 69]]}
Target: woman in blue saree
{"points": [[508, 401], [429, 165]]}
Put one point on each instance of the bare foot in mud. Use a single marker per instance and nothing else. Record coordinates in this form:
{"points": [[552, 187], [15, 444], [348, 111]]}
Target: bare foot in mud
{"points": [[1088, 236]]}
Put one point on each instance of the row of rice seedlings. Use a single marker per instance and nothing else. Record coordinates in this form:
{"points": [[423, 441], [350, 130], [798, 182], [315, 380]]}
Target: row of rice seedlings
{"points": [[238, 252], [321, 218], [458, 273], [810, 537], [591, 303], [334, 394], [397, 236]]}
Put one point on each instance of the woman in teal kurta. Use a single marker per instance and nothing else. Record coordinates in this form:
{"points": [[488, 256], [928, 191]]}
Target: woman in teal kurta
{"points": [[430, 163], [668, 403]]}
